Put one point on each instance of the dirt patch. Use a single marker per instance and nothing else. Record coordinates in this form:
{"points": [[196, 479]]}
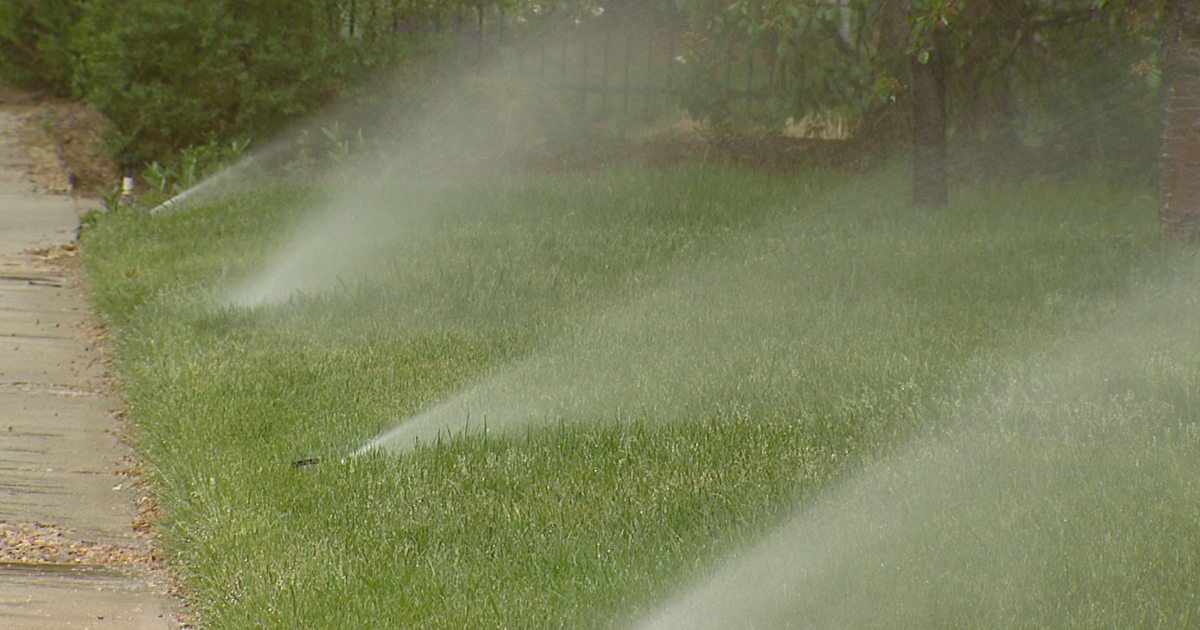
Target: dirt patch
{"points": [[63, 141]]}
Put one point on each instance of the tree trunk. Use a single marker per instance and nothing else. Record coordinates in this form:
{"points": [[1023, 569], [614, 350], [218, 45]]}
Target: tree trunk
{"points": [[1179, 194], [929, 130], [891, 28]]}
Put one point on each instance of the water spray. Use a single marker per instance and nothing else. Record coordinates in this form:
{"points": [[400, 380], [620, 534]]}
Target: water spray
{"points": [[206, 185]]}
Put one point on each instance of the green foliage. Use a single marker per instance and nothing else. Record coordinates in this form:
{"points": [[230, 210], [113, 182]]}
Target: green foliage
{"points": [[1008, 63], [110, 199], [927, 17], [37, 47], [812, 56], [1105, 110], [1076, 79], [173, 74], [188, 168]]}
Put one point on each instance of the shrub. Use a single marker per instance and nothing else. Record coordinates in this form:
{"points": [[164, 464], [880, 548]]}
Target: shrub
{"points": [[173, 73], [36, 47]]}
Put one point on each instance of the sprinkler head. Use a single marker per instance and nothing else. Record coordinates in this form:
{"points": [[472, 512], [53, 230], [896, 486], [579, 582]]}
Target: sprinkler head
{"points": [[309, 462]]}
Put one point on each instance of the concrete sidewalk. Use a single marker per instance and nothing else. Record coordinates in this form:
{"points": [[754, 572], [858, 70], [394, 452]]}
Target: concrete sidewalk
{"points": [[68, 546]]}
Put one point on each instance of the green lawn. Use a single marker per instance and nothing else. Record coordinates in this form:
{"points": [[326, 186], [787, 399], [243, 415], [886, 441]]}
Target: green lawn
{"points": [[671, 366]]}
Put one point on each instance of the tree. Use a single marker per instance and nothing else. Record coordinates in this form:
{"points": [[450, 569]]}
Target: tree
{"points": [[930, 172], [1049, 81], [928, 61], [1179, 195]]}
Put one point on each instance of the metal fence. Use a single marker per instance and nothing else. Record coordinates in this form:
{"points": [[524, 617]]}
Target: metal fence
{"points": [[624, 61], [631, 60], [635, 58]]}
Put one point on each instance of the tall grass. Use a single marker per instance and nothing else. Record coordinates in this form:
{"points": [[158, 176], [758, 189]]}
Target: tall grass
{"points": [[746, 340]]}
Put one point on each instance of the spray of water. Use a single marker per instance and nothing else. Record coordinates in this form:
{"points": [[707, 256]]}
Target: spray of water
{"points": [[233, 177], [387, 184], [329, 248], [1065, 496], [733, 327]]}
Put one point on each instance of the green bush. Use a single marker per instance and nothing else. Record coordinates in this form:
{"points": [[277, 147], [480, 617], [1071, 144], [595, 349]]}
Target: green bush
{"points": [[36, 48], [172, 74]]}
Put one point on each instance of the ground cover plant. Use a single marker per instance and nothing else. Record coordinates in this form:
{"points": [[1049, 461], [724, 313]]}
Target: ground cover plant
{"points": [[723, 351]]}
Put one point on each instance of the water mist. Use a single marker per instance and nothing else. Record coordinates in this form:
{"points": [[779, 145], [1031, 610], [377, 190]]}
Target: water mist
{"points": [[736, 328], [1065, 495], [385, 188]]}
